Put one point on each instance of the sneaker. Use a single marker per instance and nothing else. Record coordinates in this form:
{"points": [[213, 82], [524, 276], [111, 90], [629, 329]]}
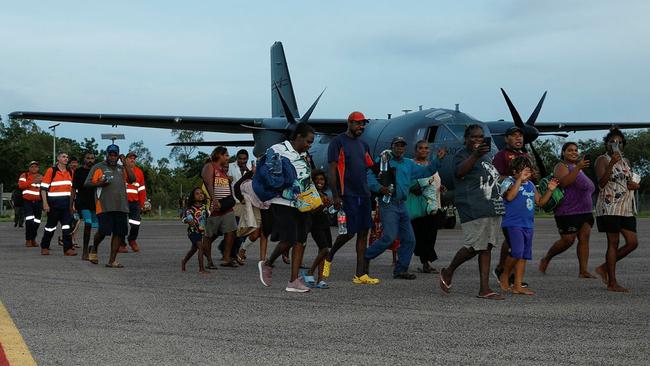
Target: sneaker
{"points": [[265, 273], [327, 265], [122, 249], [134, 246], [365, 280], [296, 286]]}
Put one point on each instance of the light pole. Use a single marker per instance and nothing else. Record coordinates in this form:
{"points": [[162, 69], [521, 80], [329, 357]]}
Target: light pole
{"points": [[53, 128]]}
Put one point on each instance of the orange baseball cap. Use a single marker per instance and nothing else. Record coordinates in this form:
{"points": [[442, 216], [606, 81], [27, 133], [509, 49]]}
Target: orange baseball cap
{"points": [[357, 117]]}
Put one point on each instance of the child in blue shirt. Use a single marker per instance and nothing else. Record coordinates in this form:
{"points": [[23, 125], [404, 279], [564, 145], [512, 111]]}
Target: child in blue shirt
{"points": [[520, 198], [194, 216]]}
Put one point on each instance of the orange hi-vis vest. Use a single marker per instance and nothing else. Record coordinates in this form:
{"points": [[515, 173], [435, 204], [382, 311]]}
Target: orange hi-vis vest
{"points": [[136, 191], [31, 190], [57, 183]]}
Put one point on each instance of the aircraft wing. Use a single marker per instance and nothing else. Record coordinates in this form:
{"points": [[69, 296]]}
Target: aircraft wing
{"points": [[214, 143], [211, 124], [329, 125], [586, 126]]}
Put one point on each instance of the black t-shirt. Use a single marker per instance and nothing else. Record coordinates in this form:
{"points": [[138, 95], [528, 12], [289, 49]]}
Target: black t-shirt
{"points": [[85, 195]]}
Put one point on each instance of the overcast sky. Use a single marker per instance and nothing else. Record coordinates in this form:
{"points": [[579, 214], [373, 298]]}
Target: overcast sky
{"points": [[212, 58]]}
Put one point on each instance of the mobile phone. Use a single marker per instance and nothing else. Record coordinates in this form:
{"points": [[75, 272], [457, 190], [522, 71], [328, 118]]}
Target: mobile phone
{"points": [[587, 157], [488, 141]]}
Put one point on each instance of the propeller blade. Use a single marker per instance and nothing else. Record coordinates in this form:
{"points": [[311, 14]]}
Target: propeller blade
{"points": [[538, 161], [307, 114], [533, 116], [285, 106], [513, 111]]}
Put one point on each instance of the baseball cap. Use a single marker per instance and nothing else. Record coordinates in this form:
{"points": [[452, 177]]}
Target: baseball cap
{"points": [[397, 139], [112, 148], [513, 129], [132, 153], [33, 162], [357, 117]]}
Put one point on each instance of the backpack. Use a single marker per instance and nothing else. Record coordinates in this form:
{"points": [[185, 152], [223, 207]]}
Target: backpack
{"points": [[556, 197]]}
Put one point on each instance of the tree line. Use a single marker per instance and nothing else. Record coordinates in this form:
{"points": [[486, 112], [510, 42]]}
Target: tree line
{"points": [[22, 141]]}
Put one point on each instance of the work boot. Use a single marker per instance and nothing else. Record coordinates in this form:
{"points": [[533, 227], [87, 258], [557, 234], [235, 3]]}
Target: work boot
{"points": [[134, 246]]}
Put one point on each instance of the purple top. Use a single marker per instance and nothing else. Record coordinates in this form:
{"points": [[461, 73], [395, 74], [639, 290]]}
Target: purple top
{"points": [[577, 196]]}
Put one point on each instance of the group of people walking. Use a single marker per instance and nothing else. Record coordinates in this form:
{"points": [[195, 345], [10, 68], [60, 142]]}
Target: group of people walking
{"points": [[284, 199], [107, 196]]}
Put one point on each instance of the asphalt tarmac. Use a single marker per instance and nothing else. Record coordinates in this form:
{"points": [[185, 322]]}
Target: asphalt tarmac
{"points": [[71, 312]]}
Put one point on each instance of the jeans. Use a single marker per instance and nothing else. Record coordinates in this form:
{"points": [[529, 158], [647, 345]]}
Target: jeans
{"points": [[395, 223]]}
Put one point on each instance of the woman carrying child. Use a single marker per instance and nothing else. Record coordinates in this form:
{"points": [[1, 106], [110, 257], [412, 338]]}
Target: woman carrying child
{"points": [[520, 198]]}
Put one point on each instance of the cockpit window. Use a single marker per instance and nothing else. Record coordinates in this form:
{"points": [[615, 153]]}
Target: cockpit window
{"points": [[445, 134]]}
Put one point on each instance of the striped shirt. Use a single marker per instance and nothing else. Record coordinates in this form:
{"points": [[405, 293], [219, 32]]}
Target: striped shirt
{"points": [[221, 188], [615, 199]]}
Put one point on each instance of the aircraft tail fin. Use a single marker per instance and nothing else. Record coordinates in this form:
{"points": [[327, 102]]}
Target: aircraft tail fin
{"points": [[280, 77]]}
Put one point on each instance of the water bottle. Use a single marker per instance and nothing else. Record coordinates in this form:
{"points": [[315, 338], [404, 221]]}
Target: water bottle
{"points": [[343, 222], [386, 198], [331, 210]]}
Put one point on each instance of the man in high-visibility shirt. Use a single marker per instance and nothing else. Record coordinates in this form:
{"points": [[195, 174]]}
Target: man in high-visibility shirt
{"points": [[30, 183], [58, 198], [136, 195]]}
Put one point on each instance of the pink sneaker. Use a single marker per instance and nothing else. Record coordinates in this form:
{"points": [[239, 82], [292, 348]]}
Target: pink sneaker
{"points": [[265, 273], [297, 286]]}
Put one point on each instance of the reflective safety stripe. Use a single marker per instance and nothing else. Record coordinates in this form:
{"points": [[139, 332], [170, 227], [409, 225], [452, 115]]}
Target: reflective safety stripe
{"points": [[134, 222], [30, 217], [136, 184], [61, 183], [22, 179], [65, 227], [37, 221], [50, 229], [58, 194], [45, 185], [37, 185], [27, 191], [141, 189], [131, 191]]}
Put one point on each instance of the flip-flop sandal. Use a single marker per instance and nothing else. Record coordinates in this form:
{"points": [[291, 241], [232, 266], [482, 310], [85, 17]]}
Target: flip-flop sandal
{"points": [[491, 296], [531, 293], [114, 265], [322, 285], [443, 285], [92, 258], [211, 266]]}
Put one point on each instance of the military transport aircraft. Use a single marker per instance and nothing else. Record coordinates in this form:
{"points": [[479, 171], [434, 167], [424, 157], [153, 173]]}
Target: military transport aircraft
{"points": [[440, 127]]}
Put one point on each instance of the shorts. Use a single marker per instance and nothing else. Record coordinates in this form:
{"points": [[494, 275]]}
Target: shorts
{"points": [[267, 222], [113, 223], [520, 240], [223, 224], [479, 234], [571, 224], [322, 237], [615, 224], [358, 212], [90, 218], [195, 238], [291, 225]]}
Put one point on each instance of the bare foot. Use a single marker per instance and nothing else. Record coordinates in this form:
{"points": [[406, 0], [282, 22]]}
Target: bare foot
{"points": [[522, 291], [586, 275], [617, 288], [604, 276], [543, 265]]}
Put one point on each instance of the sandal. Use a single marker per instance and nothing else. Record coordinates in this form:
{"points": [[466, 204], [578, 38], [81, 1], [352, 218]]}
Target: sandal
{"points": [[230, 264], [491, 296], [211, 266], [92, 258], [322, 285], [115, 264]]}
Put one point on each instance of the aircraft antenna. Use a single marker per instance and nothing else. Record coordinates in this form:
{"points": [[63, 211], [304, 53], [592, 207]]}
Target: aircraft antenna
{"points": [[406, 111], [390, 115], [457, 107]]}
